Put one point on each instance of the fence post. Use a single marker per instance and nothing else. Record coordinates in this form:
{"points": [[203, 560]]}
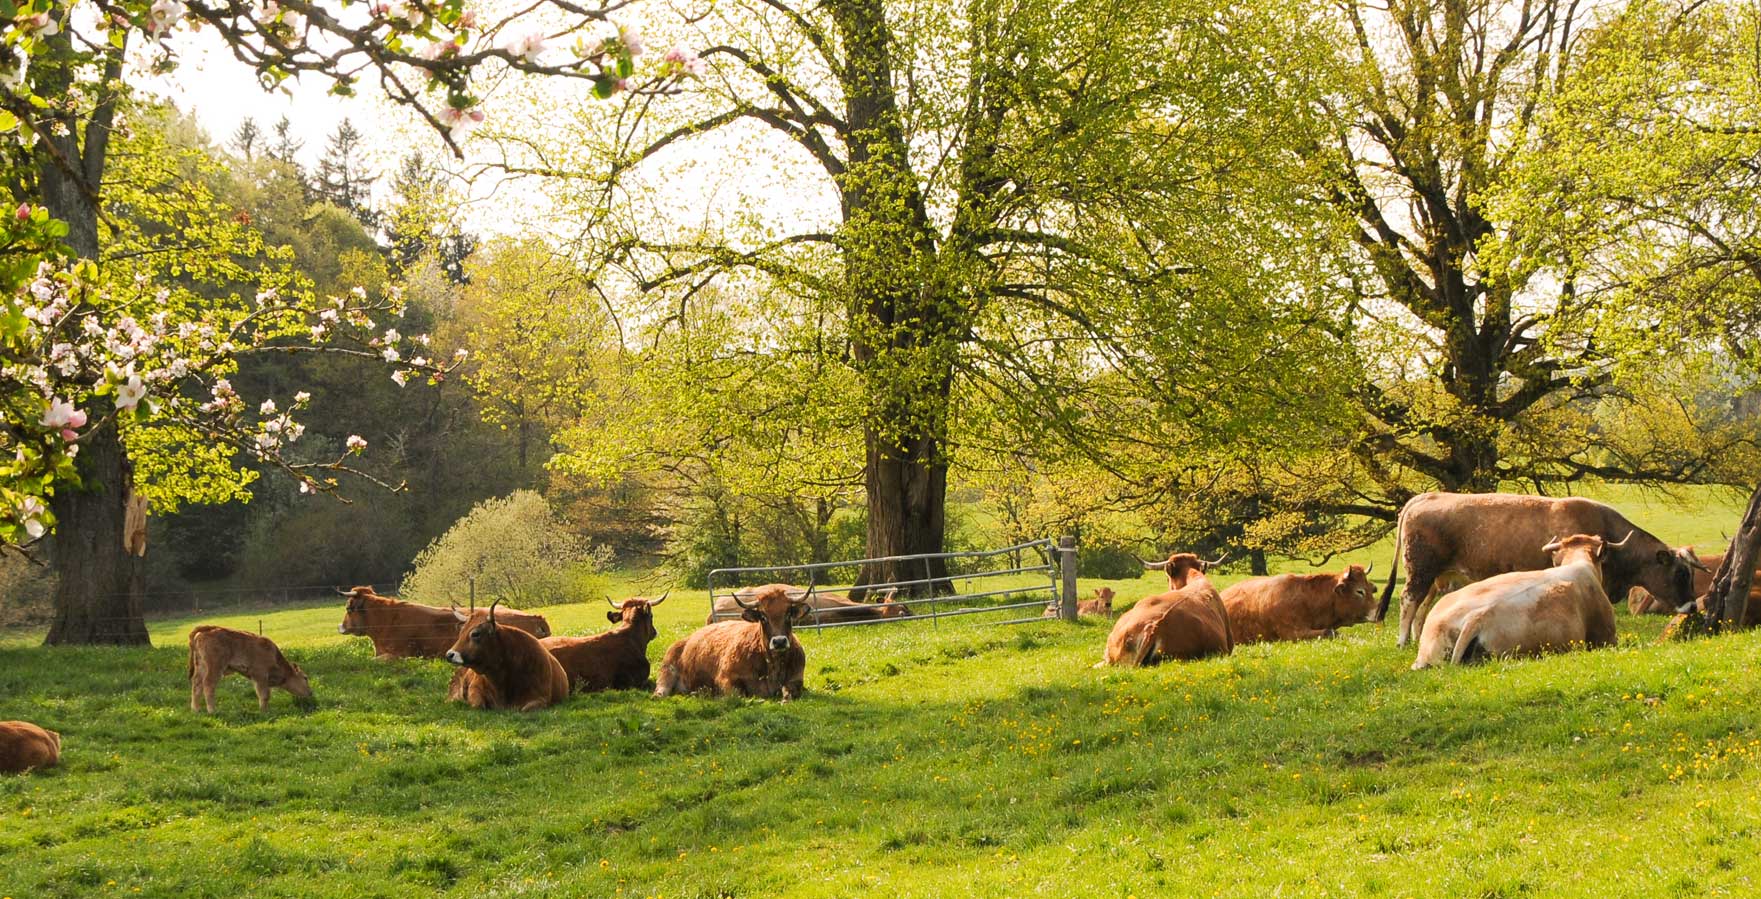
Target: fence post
{"points": [[1067, 564]]}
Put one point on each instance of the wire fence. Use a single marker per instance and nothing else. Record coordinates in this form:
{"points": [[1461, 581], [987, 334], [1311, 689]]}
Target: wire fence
{"points": [[1006, 584]]}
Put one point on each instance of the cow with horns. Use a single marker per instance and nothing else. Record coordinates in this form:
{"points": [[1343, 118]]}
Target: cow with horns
{"points": [[616, 659], [1186, 622], [401, 629], [757, 655], [503, 667], [1299, 606], [1527, 612]]}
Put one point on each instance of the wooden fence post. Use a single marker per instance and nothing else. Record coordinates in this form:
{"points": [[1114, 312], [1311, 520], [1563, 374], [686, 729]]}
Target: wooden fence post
{"points": [[1067, 566]]}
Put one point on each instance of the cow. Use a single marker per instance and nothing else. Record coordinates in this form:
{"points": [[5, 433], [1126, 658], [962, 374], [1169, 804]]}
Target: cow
{"points": [[1527, 612], [1299, 606], [218, 651], [757, 655], [503, 667], [1475, 536], [613, 660], [401, 629], [27, 747], [1641, 602], [1186, 622], [1100, 607], [828, 608]]}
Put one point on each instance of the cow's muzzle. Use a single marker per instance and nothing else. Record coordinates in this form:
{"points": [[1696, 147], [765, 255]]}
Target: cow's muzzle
{"points": [[779, 643], [452, 655]]}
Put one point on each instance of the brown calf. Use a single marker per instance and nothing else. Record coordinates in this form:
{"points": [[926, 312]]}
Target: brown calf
{"points": [[216, 652], [614, 660], [1299, 606], [1187, 622], [756, 656], [503, 667], [27, 747], [1100, 607], [401, 629]]}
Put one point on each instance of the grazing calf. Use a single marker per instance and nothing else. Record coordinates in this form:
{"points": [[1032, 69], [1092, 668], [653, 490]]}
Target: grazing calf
{"points": [[1641, 602], [755, 656], [1299, 606], [216, 652], [827, 608], [1100, 607], [1187, 622], [27, 747], [1526, 612], [503, 667], [401, 629], [614, 660]]}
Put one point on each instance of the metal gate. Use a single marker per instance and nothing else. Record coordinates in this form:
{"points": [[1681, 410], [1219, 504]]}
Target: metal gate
{"points": [[1039, 588]]}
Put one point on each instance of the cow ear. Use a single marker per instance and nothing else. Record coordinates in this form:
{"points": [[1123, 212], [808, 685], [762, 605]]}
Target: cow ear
{"points": [[752, 615], [1665, 557], [614, 617]]}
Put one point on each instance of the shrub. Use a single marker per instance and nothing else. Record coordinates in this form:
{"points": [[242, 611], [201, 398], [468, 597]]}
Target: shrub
{"points": [[516, 550]]}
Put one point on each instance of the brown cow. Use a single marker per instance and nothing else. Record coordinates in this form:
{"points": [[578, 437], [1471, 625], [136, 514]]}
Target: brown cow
{"points": [[27, 747], [1187, 622], [1641, 602], [614, 660], [1526, 612], [1100, 607], [828, 608], [503, 667], [216, 652], [401, 629], [1299, 606], [1479, 535], [755, 656]]}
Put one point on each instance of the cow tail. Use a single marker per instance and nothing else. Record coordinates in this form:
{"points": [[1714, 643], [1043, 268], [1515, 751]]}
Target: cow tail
{"points": [[1464, 642], [1394, 569]]}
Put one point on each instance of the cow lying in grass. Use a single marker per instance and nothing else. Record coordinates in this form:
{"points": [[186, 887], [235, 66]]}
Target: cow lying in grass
{"points": [[755, 656], [1526, 612], [216, 652], [27, 747], [1187, 622], [401, 629], [503, 667], [827, 608], [1099, 607], [1299, 606], [614, 660]]}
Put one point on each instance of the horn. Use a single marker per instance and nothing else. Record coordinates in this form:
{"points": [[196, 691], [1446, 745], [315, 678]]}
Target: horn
{"points": [[342, 592], [735, 596], [492, 613], [1552, 545], [662, 599], [1155, 566], [1208, 565], [1693, 561], [612, 604], [1369, 568], [806, 600], [1623, 541]]}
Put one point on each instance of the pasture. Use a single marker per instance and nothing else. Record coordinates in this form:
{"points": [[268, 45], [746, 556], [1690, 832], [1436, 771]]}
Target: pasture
{"points": [[924, 761]]}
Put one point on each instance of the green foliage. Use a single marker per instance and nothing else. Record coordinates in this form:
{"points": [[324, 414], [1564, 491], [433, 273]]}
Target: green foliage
{"points": [[513, 549]]}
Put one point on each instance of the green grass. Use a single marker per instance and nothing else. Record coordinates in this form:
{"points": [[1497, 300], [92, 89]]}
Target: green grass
{"points": [[926, 760]]}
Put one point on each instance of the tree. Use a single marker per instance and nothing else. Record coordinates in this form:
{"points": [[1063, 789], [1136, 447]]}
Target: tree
{"points": [[286, 148], [1072, 183], [64, 102], [340, 179], [423, 220], [245, 138]]}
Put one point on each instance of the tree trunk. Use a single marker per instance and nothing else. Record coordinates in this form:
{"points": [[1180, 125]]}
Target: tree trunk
{"points": [[907, 512], [1728, 601], [1256, 560], [99, 585]]}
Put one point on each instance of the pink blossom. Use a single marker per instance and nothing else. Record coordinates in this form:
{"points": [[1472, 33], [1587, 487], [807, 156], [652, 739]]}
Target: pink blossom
{"points": [[268, 407], [468, 19], [69, 435], [528, 45], [460, 121], [24, 211], [401, 377], [356, 443], [165, 13], [130, 392], [631, 40], [62, 414], [29, 512]]}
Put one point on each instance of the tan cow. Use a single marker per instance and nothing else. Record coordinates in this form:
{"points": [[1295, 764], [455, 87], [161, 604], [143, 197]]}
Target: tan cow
{"points": [[216, 652], [1526, 612], [27, 747], [1099, 607], [614, 660], [1187, 622], [1641, 602], [1299, 606], [827, 608], [1478, 535], [503, 667], [401, 629], [755, 656]]}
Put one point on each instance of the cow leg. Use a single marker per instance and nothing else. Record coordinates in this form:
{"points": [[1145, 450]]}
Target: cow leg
{"points": [[209, 681], [1421, 574], [195, 689], [262, 695], [726, 685]]}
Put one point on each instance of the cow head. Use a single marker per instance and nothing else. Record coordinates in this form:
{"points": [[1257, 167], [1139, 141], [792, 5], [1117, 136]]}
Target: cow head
{"points": [[776, 609], [354, 614], [288, 676], [889, 608], [1181, 566], [1582, 548], [1642, 560], [638, 613], [479, 641], [1354, 597]]}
